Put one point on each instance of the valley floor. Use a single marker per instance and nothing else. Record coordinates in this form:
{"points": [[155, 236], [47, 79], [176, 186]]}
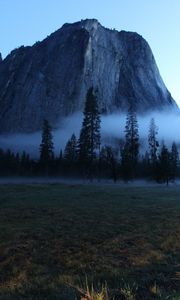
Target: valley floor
{"points": [[54, 237]]}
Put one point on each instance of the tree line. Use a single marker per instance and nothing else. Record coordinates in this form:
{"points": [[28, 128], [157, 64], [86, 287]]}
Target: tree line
{"points": [[86, 157]]}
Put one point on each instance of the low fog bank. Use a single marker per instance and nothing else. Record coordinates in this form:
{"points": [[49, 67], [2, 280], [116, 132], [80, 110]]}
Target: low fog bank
{"points": [[30, 142], [75, 181], [112, 128]]}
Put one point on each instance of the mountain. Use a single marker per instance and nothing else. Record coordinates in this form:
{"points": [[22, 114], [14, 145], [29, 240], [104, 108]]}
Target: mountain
{"points": [[51, 78]]}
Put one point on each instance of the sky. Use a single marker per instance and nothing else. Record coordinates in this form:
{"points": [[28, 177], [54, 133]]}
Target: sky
{"points": [[24, 22]]}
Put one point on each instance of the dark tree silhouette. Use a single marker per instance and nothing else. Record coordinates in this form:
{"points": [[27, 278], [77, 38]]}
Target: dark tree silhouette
{"points": [[108, 159], [164, 169], [174, 160], [70, 151], [130, 150], [153, 148], [152, 140], [89, 141], [70, 156], [46, 147]]}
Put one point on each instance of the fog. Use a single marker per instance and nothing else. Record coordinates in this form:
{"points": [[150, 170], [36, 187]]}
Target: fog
{"points": [[168, 125], [77, 181], [112, 127]]}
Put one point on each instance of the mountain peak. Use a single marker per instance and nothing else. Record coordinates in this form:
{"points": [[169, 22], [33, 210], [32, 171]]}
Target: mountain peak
{"points": [[88, 24], [50, 79]]}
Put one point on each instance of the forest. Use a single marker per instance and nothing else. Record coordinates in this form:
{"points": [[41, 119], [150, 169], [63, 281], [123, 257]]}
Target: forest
{"points": [[88, 157]]}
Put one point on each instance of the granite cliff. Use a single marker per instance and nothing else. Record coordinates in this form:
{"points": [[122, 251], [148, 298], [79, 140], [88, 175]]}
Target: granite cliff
{"points": [[51, 78]]}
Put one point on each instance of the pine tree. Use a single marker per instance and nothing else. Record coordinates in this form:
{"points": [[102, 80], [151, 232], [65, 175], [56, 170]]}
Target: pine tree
{"points": [[70, 151], [130, 150], [164, 172], [153, 147], [89, 141], [153, 143], [46, 146], [174, 159], [126, 166], [108, 159]]}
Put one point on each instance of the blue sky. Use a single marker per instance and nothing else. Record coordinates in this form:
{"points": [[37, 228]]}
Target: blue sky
{"points": [[23, 22]]}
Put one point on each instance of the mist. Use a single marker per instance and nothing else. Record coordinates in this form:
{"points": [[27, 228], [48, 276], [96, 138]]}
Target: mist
{"points": [[168, 125], [112, 128], [30, 142]]}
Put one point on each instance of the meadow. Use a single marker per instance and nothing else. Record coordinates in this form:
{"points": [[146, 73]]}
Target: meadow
{"points": [[56, 238]]}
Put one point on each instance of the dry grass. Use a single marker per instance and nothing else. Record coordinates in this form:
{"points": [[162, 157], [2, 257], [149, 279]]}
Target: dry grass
{"points": [[51, 235]]}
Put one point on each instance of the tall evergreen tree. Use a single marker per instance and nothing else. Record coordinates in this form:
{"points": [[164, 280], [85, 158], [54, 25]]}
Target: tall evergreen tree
{"points": [[46, 146], [174, 160], [152, 140], [130, 150], [89, 141], [153, 148], [70, 151], [108, 159], [164, 169]]}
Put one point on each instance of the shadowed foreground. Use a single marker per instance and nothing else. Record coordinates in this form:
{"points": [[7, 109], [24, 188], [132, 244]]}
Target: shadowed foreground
{"points": [[54, 236]]}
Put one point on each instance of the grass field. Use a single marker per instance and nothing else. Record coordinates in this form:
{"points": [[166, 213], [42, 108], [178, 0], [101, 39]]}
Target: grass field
{"points": [[54, 237]]}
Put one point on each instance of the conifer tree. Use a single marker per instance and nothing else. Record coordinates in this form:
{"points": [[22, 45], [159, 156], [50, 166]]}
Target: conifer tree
{"points": [[174, 159], [153, 148], [130, 150], [70, 152], [108, 158], [46, 146], [89, 141], [164, 172], [153, 143]]}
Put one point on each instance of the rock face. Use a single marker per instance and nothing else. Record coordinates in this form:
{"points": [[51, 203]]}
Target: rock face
{"points": [[51, 78]]}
